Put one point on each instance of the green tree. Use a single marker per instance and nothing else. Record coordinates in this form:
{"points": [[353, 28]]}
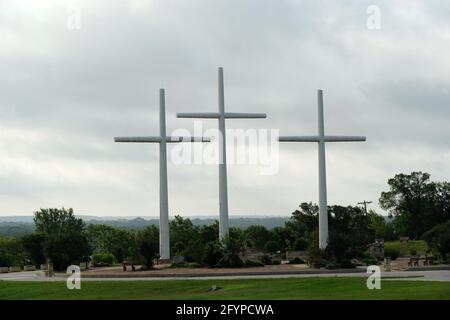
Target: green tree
{"points": [[438, 238], [209, 233], [377, 223], [34, 248], [303, 222], [65, 240], [417, 203], [117, 241], [283, 237], [66, 249], [232, 245], [57, 221], [149, 244], [350, 231], [184, 237], [257, 236], [11, 252]]}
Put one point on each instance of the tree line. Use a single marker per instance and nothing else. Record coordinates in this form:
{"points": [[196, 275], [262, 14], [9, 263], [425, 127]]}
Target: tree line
{"points": [[419, 208]]}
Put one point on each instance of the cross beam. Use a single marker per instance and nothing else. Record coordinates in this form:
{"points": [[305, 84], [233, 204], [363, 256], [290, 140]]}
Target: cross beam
{"points": [[221, 116], [162, 139], [321, 139]]}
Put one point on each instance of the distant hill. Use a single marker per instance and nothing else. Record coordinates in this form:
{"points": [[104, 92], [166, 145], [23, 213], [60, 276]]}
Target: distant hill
{"points": [[21, 225], [16, 229]]}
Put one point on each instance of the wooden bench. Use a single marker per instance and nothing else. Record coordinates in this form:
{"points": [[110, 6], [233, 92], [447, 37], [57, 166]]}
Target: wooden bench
{"points": [[413, 262], [128, 263], [428, 261]]}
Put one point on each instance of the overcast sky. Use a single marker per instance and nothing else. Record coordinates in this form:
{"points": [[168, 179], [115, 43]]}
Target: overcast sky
{"points": [[65, 93]]}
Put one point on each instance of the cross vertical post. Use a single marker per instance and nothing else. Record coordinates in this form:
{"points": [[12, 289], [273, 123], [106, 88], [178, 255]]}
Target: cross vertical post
{"points": [[164, 239], [223, 185], [321, 138], [323, 210], [221, 116], [162, 139]]}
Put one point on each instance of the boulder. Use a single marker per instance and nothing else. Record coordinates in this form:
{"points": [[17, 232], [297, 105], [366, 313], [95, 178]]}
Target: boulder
{"points": [[15, 269], [29, 268]]}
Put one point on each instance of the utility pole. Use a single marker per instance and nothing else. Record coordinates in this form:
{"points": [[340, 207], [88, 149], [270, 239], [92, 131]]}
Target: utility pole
{"points": [[365, 203]]}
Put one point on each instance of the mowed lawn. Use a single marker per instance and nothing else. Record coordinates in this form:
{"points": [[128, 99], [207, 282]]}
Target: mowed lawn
{"points": [[286, 288], [405, 248]]}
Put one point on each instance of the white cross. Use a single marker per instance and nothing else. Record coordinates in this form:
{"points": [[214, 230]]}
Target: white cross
{"points": [[221, 116], [321, 139], [162, 139]]}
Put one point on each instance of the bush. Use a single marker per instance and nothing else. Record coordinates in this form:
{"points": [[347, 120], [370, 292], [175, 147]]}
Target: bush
{"points": [[413, 252], [369, 260], [213, 253], [391, 253], [318, 258], [266, 260], [252, 263], [102, 259], [186, 265], [300, 244], [332, 265], [5, 260], [66, 249], [271, 246], [438, 238], [11, 252], [296, 260], [230, 260], [149, 252]]}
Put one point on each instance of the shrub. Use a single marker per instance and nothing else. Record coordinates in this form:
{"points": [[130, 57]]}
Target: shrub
{"points": [[213, 253], [266, 260], [231, 260], [438, 238], [231, 246], [369, 260], [296, 260], [391, 253], [318, 258], [5, 260], [186, 265], [332, 265], [149, 251], [271, 246], [252, 263], [413, 252], [102, 259], [300, 244]]}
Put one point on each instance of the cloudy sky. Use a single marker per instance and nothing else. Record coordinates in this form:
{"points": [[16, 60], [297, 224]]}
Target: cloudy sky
{"points": [[65, 92]]}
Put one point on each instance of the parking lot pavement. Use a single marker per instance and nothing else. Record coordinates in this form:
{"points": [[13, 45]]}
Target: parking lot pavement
{"points": [[434, 275], [29, 276]]}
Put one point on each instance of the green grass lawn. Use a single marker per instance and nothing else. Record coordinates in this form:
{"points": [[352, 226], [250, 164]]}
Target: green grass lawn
{"points": [[405, 247], [286, 288]]}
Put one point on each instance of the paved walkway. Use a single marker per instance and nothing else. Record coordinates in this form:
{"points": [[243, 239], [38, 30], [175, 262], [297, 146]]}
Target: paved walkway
{"points": [[434, 275]]}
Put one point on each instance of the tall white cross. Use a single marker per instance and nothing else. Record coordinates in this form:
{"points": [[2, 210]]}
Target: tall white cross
{"points": [[321, 139], [162, 139], [221, 116]]}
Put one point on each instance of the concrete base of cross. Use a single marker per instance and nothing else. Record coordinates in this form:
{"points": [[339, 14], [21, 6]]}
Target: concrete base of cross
{"points": [[164, 261]]}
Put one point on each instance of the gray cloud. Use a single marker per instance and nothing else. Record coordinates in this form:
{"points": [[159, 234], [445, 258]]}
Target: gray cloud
{"points": [[65, 94]]}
